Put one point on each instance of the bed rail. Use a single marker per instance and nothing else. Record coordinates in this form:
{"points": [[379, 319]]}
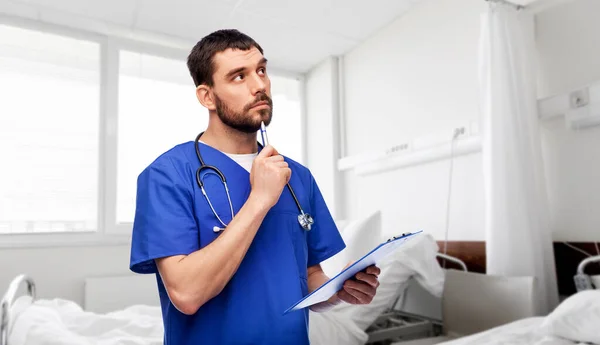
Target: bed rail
{"points": [[453, 259], [439, 255], [9, 298], [402, 296], [583, 281], [587, 261]]}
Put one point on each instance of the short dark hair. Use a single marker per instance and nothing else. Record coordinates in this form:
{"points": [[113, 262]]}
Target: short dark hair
{"points": [[200, 61]]}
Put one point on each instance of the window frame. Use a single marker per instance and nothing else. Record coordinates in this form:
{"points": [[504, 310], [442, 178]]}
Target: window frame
{"points": [[116, 45], [108, 231]]}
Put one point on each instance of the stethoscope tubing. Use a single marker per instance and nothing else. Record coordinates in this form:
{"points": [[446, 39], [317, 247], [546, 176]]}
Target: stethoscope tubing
{"points": [[203, 166]]}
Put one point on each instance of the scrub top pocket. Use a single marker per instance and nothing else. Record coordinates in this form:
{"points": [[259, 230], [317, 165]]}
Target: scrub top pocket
{"points": [[297, 237]]}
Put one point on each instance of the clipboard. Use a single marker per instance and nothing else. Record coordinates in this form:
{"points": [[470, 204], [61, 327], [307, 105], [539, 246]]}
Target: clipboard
{"points": [[333, 285]]}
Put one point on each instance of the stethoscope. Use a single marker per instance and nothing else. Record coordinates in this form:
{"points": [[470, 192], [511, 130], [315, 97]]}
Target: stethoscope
{"points": [[304, 219]]}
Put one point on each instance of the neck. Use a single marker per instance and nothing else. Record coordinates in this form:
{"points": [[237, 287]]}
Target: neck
{"points": [[229, 140]]}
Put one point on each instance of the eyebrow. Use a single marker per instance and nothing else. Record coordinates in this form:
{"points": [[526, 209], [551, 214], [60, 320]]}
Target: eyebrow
{"points": [[231, 73]]}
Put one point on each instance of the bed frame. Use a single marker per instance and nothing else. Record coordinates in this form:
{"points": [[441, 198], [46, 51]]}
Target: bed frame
{"points": [[567, 257], [8, 300], [398, 325], [582, 280]]}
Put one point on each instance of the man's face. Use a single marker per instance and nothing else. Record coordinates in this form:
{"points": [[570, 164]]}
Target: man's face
{"points": [[242, 89]]}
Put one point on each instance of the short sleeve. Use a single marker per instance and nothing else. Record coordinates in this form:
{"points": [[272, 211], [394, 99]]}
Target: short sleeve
{"points": [[324, 238], [164, 223]]}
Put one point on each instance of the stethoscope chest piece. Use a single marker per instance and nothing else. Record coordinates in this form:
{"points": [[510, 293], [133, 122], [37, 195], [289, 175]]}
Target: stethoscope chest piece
{"points": [[306, 221]]}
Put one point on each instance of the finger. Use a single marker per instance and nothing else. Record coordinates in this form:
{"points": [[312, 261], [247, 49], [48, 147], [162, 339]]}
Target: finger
{"points": [[347, 297], [359, 296], [367, 278], [275, 159], [282, 165], [288, 174], [374, 270], [360, 287], [267, 151]]}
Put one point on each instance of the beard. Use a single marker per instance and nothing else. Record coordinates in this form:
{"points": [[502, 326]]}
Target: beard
{"points": [[242, 121]]}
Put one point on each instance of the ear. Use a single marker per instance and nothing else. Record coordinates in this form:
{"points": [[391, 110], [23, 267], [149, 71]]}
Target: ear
{"points": [[205, 97]]}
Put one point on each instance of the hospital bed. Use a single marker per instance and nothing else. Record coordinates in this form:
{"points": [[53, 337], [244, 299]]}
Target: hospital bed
{"points": [[27, 319], [485, 309], [413, 315]]}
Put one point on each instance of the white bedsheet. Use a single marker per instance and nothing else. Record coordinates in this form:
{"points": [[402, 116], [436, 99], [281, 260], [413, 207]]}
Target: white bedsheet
{"points": [[521, 332], [63, 322]]}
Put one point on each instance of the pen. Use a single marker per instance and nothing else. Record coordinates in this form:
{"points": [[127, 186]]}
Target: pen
{"points": [[265, 140], [263, 134]]}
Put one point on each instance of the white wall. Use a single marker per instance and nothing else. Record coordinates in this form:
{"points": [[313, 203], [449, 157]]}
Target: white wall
{"points": [[415, 77], [59, 272], [572, 162], [568, 38], [419, 75]]}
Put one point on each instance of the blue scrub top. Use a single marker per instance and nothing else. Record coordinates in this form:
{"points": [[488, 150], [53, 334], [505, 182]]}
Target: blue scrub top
{"points": [[173, 218]]}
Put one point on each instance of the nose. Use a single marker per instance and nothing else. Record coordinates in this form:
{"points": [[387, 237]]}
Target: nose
{"points": [[258, 84]]}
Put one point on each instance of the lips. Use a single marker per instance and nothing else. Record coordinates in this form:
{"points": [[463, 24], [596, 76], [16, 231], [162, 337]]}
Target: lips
{"points": [[260, 104]]}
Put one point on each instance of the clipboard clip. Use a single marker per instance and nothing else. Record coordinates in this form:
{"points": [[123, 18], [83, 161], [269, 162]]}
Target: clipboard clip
{"points": [[396, 237]]}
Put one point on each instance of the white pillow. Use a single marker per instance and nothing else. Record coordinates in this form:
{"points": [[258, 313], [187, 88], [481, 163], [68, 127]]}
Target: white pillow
{"points": [[416, 258], [361, 236], [577, 318]]}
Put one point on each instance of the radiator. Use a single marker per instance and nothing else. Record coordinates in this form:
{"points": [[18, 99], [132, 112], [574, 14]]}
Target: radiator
{"points": [[110, 293]]}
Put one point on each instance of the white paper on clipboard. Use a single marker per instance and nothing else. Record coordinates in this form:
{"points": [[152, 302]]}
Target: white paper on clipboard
{"points": [[334, 284]]}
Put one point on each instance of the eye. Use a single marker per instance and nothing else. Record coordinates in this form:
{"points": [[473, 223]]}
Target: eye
{"points": [[238, 77], [262, 71]]}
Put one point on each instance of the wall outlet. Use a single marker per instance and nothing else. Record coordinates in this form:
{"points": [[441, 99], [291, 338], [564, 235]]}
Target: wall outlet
{"points": [[459, 132], [579, 98]]}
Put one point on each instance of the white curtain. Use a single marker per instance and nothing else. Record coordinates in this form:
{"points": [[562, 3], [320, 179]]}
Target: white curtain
{"points": [[518, 234]]}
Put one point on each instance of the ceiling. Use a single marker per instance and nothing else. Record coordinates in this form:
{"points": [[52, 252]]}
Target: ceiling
{"points": [[296, 34], [524, 2]]}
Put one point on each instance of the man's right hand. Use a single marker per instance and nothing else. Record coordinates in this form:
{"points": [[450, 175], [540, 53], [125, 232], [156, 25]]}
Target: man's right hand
{"points": [[269, 175]]}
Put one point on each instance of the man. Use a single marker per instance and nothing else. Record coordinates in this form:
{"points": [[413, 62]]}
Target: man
{"points": [[227, 271]]}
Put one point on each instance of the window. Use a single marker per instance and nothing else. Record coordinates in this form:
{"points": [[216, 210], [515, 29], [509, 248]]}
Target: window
{"points": [[59, 90], [49, 115], [158, 109]]}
